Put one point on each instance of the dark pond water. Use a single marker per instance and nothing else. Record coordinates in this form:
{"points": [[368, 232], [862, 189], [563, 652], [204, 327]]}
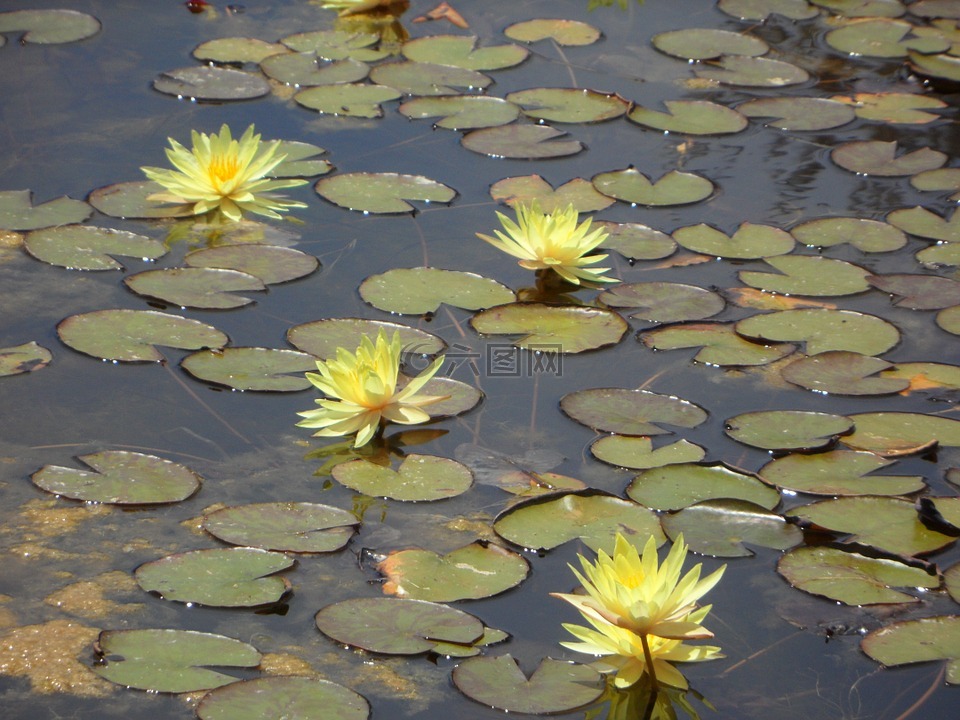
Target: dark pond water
{"points": [[80, 116]]}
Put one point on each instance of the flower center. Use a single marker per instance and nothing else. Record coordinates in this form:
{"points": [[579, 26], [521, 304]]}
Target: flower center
{"points": [[223, 167]]}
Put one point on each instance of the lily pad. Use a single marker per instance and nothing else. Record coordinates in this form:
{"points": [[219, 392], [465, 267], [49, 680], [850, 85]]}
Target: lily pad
{"points": [[337, 45], [840, 372], [891, 107], [529, 188], [419, 478], [461, 51], [944, 66], [635, 241], [118, 477], [283, 526], [307, 70], [863, 8], [173, 661], [236, 50], [927, 224], [875, 157], [823, 330], [787, 429], [323, 337], [556, 686], [417, 291], [762, 9], [460, 397], [949, 319], [300, 160], [221, 577], [749, 242], [851, 578], [923, 640], [592, 516], [272, 264], [521, 142], [674, 188], [569, 105], [752, 72], [677, 486], [885, 38], [288, 697], [638, 453], [352, 100], [206, 288], [838, 472], [552, 328], [563, 32], [382, 192], [84, 247], [477, 570], [895, 433], [17, 211], [131, 335], [723, 528], [691, 117], [209, 82], [926, 376], [252, 368], [630, 412], [707, 44], [49, 27], [461, 112], [865, 235], [720, 344], [24, 358], [947, 179], [798, 113], [418, 78], [663, 302], [810, 275], [943, 254], [129, 200], [919, 292]]}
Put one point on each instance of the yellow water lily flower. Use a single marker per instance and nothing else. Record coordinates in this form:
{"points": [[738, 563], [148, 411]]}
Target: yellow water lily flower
{"points": [[224, 174], [352, 7], [552, 240], [361, 391]]}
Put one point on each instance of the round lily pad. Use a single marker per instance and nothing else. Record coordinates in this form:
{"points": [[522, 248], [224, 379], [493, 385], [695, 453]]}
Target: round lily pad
{"points": [[419, 478], [417, 291], [521, 142], [691, 117], [173, 661], [236, 50], [752, 72], [949, 319], [891, 107], [927, 224], [635, 241], [477, 570], [287, 697], [719, 344], [674, 188], [382, 192], [838, 472], [677, 486], [129, 200], [664, 302], [885, 38], [283, 526], [337, 44], [762, 9], [424, 79], [272, 264], [252, 368], [307, 70], [131, 335], [749, 242], [552, 328], [809, 275], [209, 82], [630, 412], [461, 51], [896, 433], [865, 235], [120, 477], [919, 292], [787, 429], [798, 113], [460, 396], [206, 288], [707, 43], [569, 105], [461, 112], [221, 577], [840, 372], [85, 247], [923, 640], [926, 376], [823, 330], [875, 157], [17, 211], [350, 99], [24, 358], [563, 32], [49, 27], [300, 160], [323, 337], [943, 66], [638, 452], [527, 189], [940, 179], [723, 528], [863, 8]]}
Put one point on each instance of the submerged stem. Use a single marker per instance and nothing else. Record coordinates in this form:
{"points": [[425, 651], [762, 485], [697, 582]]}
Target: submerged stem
{"points": [[648, 656]]}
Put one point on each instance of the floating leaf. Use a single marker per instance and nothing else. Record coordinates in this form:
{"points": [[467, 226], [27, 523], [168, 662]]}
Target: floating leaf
{"points": [[323, 337], [838, 472], [49, 27], [949, 319], [237, 50], [207, 288], [923, 640], [707, 44], [749, 242], [382, 192], [130, 335], [919, 292], [691, 117], [904, 108], [885, 38], [636, 241], [823, 330], [851, 578], [720, 344], [723, 528], [460, 51], [630, 412], [417, 78], [926, 376], [477, 570], [569, 105], [129, 200], [564, 32], [221, 577], [270, 263], [678, 486], [809, 275], [556, 686], [290, 698], [283, 526], [337, 45], [937, 66], [894, 433], [17, 211], [863, 8], [927, 224], [875, 157], [761, 9], [523, 142], [664, 302], [787, 429], [638, 452], [951, 581], [306, 70], [674, 188], [300, 160], [419, 478], [209, 82], [552, 328], [865, 235], [532, 188], [347, 99], [799, 113], [173, 661], [941, 254], [840, 372], [84, 247], [23, 359], [592, 516], [752, 72], [461, 112], [417, 291], [252, 368], [941, 179]]}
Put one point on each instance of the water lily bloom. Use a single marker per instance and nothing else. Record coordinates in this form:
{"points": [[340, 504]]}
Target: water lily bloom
{"points": [[552, 241], [361, 391], [224, 174], [352, 7]]}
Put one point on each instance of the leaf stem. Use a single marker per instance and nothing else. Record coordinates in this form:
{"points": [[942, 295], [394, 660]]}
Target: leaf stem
{"points": [[651, 671]]}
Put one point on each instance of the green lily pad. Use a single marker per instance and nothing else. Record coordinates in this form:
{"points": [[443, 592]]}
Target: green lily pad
{"points": [[210, 82], [691, 117], [752, 72], [638, 453], [787, 429], [418, 78], [886, 523], [949, 319], [569, 105], [287, 697], [810, 275], [935, 9], [865, 235], [323, 337], [723, 528], [49, 27], [556, 686], [926, 376], [919, 292], [300, 160], [719, 342], [461, 112], [940, 255], [307, 70], [951, 581], [236, 50], [749, 242], [823, 330], [129, 200], [862, 8], [221, 577], [798, 113], [552, 328], [460, 396], [337, 45], [283, 526], [84, 247], [252, 368], [419, 478], [838, 472], [707, 44], [461, 51], [272, 264], [118, 477], [130, 335], [677, 486], [944, 66], [630, 412], [350, 99], [927, 224], [875, 157], [382, 193], [395, 626], [663, 302], [563, 32], [674, 188], [895, 433], [206, 288], [592, 516], [762, 9], [851, 578], [477, 570], [532, 188], [173, 661], [923, 640], [885, 38], [891, 107], [635, 241], [941, 179], [24, 358], [521, 142], [417, 291], [840, 372], [17, 211]]}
